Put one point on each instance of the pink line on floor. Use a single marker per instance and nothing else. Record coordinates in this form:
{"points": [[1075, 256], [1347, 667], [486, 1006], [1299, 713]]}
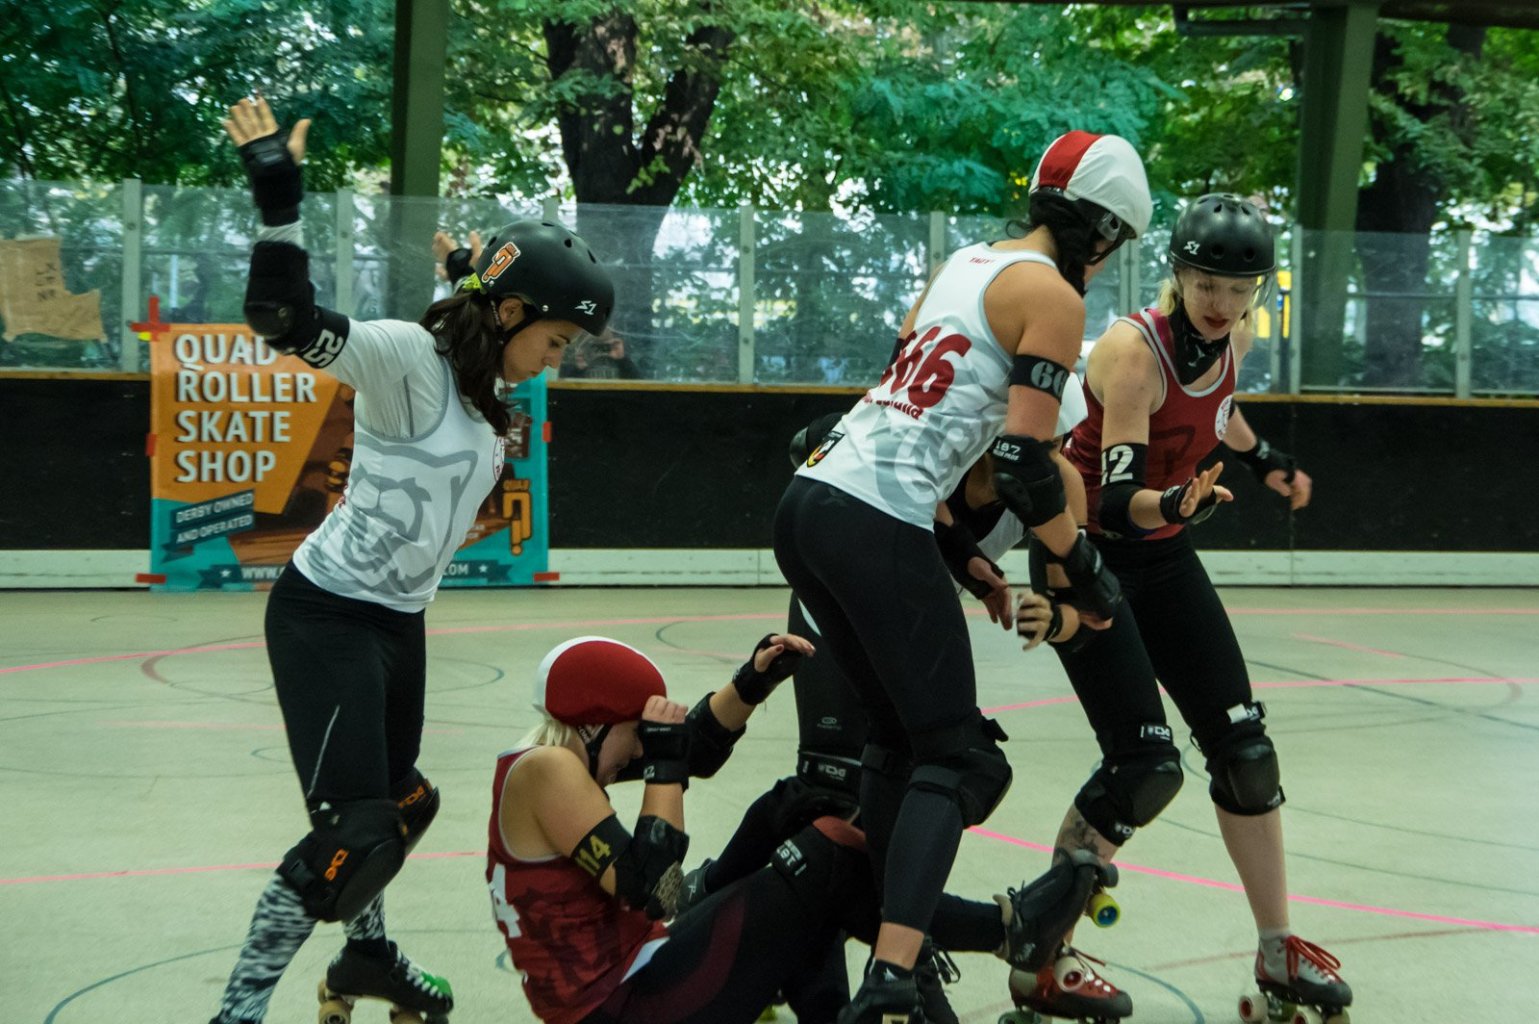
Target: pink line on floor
{"points": [[198, 870], [1213, 883], [513, 627], [1302, 684], [1382, 611], [1342, 643]]}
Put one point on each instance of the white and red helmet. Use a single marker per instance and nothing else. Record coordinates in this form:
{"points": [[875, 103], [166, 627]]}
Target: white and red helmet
{"points": [[593, 680], [1104, 170]]}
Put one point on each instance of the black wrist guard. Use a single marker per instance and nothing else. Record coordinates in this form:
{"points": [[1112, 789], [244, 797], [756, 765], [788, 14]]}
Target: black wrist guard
{"points": [[457, 266], [1263, 458], [276, 184], [1095, 588], [958, 546], [753, 686], [664, 752]]}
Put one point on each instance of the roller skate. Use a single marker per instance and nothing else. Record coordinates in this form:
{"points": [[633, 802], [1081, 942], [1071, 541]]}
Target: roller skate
{"points": [[1068, 987], [1312, 992], [884, 999], [414, 995], [1038, 915], [932, 972]]}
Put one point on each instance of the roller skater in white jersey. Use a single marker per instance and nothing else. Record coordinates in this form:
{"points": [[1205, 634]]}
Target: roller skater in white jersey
{"points": [[981, 364], [345, 620]]}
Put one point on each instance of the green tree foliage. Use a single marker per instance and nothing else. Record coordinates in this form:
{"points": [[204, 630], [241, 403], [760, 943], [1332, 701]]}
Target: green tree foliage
{"points": [[109, 89]]}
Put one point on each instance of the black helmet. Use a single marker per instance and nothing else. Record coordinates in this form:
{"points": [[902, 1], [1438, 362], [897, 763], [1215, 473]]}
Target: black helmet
{"points": [[551, 269], [1225, 235]]}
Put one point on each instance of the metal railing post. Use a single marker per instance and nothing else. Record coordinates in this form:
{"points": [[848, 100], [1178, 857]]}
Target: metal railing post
{"points": [[1464, 289], [132, 302], [745, 294], [1295, 310], [342, 240], [936, 253]]}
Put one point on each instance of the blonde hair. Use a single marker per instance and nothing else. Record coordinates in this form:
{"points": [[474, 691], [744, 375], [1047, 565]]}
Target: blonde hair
{"points": [[549, 733], [1170, 295]]}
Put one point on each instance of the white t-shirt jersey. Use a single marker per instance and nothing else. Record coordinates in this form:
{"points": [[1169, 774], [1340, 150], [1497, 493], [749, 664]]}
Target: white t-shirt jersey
{"points": [[423, 462], [938, 407]]}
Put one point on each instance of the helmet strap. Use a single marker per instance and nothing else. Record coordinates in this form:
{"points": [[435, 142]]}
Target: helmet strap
{"points": [[1194, 353], [507, 332], [593, 737]]}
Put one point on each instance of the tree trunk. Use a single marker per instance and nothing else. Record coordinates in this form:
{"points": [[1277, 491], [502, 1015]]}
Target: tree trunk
{"points": [[610, 164], [1395, 215]]}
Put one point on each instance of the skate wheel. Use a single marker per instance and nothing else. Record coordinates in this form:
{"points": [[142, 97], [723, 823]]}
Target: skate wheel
{"points": [[768, 1013], [1252, 1007], [1339, 1017], [1103, 910], [400, 1016], [1020, 1017], [1306, 1015], [334, 1008]]}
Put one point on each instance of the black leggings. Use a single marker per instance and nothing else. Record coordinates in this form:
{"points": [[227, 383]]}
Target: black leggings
{"points": [[350, 677], [889, 616], [728, 958], [1173, 631]]}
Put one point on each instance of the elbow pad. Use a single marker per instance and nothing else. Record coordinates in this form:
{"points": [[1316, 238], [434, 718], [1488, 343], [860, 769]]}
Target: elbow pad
{"points": [[280, 306], [649, 871], [710, 742], [1026, 478]]}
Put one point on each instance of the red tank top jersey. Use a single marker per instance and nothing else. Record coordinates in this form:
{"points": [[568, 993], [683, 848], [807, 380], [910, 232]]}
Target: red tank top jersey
{"points": [[570, 940], [1187, 426]]}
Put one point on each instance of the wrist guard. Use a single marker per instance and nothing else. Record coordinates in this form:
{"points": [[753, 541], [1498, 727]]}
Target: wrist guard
{"points": [[1097, 591], [753, 686], [1170, 505], [276, 184], [958, 546], [664, 752], [1263, 458]]}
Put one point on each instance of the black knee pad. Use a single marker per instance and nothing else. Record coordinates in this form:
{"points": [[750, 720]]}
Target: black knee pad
{"points": [[417, 800], [1244, 777], [352, 852], [824, 860], [830, 772], [1128, 794], [966, 764]]}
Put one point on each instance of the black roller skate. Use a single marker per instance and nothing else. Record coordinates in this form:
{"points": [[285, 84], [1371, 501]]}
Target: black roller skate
{"points": [[932, 972], [1312, 992], [1038, 915], [1068, 987], [883, 999], [414, 995]]}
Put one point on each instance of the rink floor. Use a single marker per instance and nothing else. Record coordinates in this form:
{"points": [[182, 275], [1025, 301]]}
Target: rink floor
{"points": [[148, 793]]}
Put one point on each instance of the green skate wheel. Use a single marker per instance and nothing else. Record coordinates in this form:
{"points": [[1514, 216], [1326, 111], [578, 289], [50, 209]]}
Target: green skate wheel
{"points": [[1339, 1017], [1021, 1017]]}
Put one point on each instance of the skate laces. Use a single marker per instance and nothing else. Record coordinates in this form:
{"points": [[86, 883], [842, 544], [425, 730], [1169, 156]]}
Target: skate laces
{"points": [[1298, 949], [946, 969], [424, 981]]}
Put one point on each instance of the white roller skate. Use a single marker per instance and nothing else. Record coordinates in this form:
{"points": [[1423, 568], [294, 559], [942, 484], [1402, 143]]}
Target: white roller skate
{"points": [[414, 995], [1312, 992]]}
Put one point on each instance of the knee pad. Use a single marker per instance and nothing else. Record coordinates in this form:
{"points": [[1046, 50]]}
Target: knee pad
{"points": [[417, 800], [823, 858], [352, 852], [1124, 795], [966, 764], [826, 771], [1244, 777]]}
